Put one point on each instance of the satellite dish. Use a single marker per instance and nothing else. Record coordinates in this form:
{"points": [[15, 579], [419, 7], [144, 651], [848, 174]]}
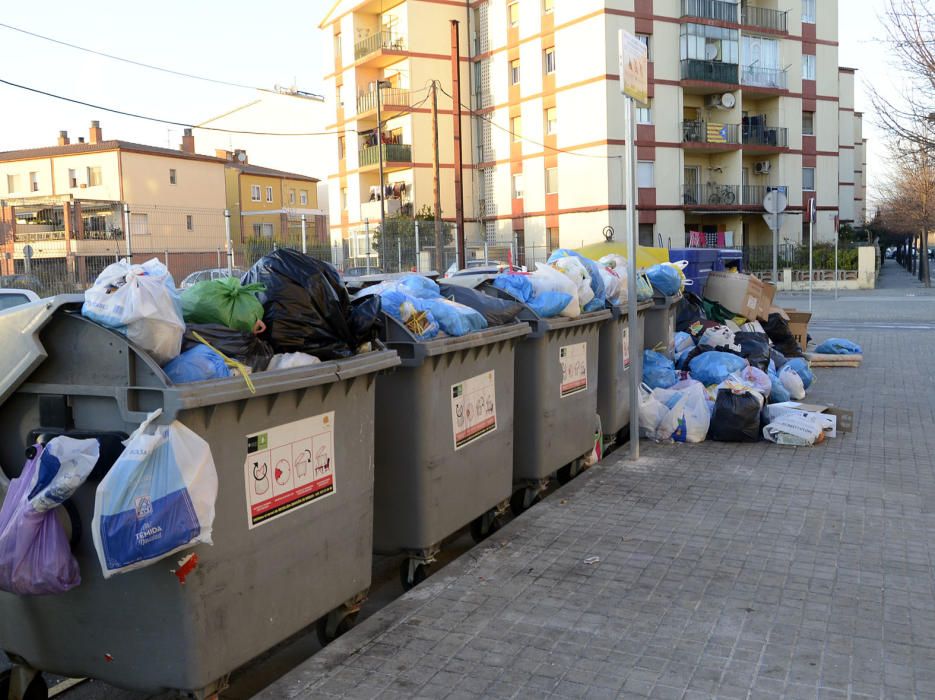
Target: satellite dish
{"points": [[710, 51], [27, 251], [775, 201], [728, 100], [241, 156]]}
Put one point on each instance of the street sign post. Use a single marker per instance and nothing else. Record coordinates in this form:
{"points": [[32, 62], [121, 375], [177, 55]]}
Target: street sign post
{"points": [[775, 203], [634, 84], [812, 219]]}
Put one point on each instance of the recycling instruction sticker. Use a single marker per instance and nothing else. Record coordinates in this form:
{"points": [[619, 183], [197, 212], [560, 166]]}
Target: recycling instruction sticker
{"points": [[574, 360], [473, 409]]}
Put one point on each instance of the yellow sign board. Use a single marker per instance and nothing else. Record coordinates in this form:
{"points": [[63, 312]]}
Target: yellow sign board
{"points": [[634, 67]]}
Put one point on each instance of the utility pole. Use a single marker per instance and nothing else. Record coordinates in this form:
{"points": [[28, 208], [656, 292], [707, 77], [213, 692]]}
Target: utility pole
{"points": [[381, 84], [456, 111], [436, 187]]}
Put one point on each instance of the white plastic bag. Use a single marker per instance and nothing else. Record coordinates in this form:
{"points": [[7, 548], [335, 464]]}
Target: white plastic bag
{"points": [[612, 286], [141, 302], [290, 360], [575, 270], [793, 383], [157, 498], [652, 413], [65, 464], [547, 279], [755, 379], [680, 413], [794, 429]]}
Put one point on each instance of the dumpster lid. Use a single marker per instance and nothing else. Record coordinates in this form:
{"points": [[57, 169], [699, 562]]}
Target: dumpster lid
{"points": [[20, 349]]}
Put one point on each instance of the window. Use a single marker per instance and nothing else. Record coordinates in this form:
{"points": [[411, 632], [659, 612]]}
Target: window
{"points": [[514, 72], [94, 176], [551, 180], [72, 177], [13, 183], [808, 179], [704, 42], [518, 186], [808, 67], [189, 222], [550, 60], [808, 123], [291, 196], [644, 115], [269, 193], [547, 6], [551, 120], [552, 239], [139, 224], [645, 173], [646, 235], [303, 197], [337, 47], [342, 144], [644, 38], [172, 177], [343, 199], [516, 126], [267, 230], [337, 96], [255, 193], [513, 10], [257, 228], [33, 181], [808, 11]]}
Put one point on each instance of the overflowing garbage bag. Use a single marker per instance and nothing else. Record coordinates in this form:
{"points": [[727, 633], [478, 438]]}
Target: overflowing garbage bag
{"points": [[291, 360], [197, 364], [778, 391], [410, 312], [565, 260], [754, 348], [719, 337], [246, 348], [793, 383], [714, 367], [666, 279], [658, 370], [678, 414], [305, 306], [794, 429], [35, 554], [778, 330], [226, 302], [839, 346], [140, 302], [688, 311], [158, 497], [546, 279], [497, 312], [615, 285], [752, 378], [801, 367], [546, 302], [736, 416]]}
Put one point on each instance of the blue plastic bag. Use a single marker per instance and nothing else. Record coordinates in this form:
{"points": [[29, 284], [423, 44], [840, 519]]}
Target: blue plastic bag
{"points": [[800, 365], [453, 318], [419, 286], [779, 393], [401, 306], [714, 367], [597, 282], [198, 364], [839, 346], [658, 370], [158, 498], [517, 286], [665, 279], [549, 304]]}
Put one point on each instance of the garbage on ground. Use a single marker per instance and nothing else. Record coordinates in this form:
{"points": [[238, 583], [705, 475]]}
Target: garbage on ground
{"points": [[736, 415], [839, 346], [225, 301], [291, 360], [677, 414], [719, 338], [752, 378], [714, 367], [834, 420], [818, 360], [754, 348], [777, 328], [801, 367], [744, 295], [795, 429], [778, 392], [792, 382], [658, 370], [798, 326], [157, 499], [246, 348], [35, 554], [140, 302]]}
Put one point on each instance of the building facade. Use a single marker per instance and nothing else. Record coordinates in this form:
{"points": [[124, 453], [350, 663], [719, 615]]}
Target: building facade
{"points": [[745, 98]]}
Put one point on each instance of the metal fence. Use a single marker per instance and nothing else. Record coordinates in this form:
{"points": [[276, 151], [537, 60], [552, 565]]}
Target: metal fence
{"points": [[759, 259]]}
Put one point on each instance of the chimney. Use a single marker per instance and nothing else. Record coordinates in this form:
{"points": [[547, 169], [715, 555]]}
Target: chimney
{"points": [[188, 142], [63, 139], [95, 134], [221, 153]]}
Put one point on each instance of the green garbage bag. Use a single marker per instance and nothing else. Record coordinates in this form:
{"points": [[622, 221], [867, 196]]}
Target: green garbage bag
{"points": [[224, 301]]}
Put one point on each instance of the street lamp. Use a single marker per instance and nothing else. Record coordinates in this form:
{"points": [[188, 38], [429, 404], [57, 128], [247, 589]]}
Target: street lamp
{"points": [[381, 84]]}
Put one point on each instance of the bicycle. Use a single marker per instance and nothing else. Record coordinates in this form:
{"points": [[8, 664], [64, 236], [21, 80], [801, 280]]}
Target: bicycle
{"points": [[721, 194]]}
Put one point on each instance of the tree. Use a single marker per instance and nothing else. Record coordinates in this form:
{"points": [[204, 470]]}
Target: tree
{"points": [[908, 202], [401, 239]]}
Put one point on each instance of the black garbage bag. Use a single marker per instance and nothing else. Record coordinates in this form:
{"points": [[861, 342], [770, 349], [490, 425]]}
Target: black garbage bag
{"points": [[778, 358], [754, 347], [688, 310], [777, 328], [305, 306], [736, 417], [247, 348], [498, 312], [366, 319]]}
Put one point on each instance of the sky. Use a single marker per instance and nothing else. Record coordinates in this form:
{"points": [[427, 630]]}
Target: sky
{"points": [[237, 41]]}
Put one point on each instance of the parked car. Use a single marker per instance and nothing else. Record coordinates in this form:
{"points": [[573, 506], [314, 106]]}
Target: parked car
{"points": [[476, 265], [15, 297], [475, 274], [362, 271], [30, 282], [214, 273]]}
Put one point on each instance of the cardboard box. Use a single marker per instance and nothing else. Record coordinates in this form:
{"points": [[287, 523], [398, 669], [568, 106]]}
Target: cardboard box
{"points": [[842, 419], [744, 295], [798, 325]]}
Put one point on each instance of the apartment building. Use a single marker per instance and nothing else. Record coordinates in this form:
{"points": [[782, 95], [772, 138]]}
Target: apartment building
{"points": [[745, 98]]}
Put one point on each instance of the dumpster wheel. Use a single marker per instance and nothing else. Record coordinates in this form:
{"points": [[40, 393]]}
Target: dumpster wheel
{"points": [[413, 570], [484, 526], [333, 625], [35, 690], [571, 470], [524, 499]]}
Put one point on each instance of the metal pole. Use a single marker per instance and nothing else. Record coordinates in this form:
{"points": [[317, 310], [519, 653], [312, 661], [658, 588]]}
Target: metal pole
{"points": [[776, 249], [219, 257], [836, 236], [304, 237], [367, 234], [811, 240], [633, 335], [436, 187], [399, 254], [418, 252], [382, 184], [458, 152], [126, 223], [230, 247], [486, 250]]}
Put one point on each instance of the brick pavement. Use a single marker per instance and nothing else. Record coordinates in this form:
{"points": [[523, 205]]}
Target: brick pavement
{"points": [[725, 570]]}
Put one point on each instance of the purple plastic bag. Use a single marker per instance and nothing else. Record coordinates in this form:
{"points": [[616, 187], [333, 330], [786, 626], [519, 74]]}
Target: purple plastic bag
{"points": [[35, 556]]}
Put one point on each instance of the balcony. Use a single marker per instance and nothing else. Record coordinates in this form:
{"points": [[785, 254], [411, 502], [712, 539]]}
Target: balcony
{"points": [[765, 136], [396, 156], [771, 78], [381, 48], [710, 195], [764, 18], [753, 195], [710, 9], [710, 71], [710, 133], [392, 101], [36, 236]]}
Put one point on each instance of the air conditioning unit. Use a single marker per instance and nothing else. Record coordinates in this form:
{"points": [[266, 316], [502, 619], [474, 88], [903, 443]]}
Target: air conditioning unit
{"points": [[762, 167], [725, 101]]}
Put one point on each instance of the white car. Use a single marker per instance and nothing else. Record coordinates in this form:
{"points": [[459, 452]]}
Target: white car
{"points": [[16, 297], [215, 273]]}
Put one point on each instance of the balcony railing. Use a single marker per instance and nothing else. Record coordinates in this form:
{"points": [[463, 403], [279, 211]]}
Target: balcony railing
{"points": [[711, 194], [388, 96], [710, 133], [710, 71], [392, 153], [710, 9], [38, 236], [764, 17], [377, 42], [753, 195], [766, 136], [764, 77]]}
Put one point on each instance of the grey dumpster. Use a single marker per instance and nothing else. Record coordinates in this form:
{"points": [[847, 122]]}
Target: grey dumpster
{"points": [[659, 327], [614, 366], [278, 563], [444, 441]]}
